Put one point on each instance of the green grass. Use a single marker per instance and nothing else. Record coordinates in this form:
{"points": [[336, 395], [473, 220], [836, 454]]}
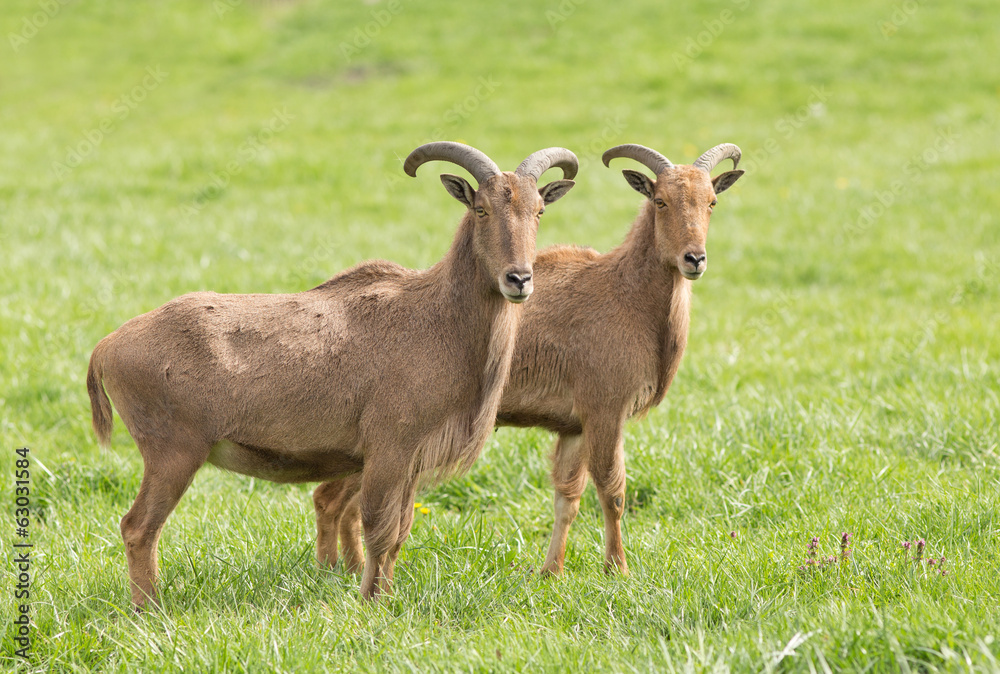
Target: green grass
{"points": [[841, 374]]}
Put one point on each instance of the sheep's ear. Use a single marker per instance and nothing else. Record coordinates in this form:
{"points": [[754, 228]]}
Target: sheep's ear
{"points": [[459, 188], [724, 181], [639, 182], [555, 190]]}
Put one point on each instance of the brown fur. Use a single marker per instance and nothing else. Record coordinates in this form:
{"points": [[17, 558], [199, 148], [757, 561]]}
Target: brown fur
{"points": [[381, 371], [601, 341]]}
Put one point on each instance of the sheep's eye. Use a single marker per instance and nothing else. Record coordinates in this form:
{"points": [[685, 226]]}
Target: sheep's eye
{"points": [[714, 202], [659, 203], [541, 212], [480, 211]]}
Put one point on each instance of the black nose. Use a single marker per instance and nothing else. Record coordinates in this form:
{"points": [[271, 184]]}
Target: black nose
{"points": [[516, 279], [694, 260]]}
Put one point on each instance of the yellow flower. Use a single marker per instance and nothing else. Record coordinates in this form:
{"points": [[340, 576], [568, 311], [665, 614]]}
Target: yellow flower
{"points": [[416, 505], [424, 511]]}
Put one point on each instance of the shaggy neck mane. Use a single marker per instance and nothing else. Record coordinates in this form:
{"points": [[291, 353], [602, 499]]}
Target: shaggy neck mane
{"points": [[666, 293], [479, 308]]}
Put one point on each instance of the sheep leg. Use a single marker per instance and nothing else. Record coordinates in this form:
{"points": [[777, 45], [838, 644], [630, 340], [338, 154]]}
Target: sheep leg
{"points": [[405, 525], [569, 477], [350, 534], [384, 500], [169, 469], [331, 500], [607, 468]]}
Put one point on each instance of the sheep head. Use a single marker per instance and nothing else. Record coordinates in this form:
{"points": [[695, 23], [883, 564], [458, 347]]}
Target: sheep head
{"points": [[681, 198], [504, 209]]}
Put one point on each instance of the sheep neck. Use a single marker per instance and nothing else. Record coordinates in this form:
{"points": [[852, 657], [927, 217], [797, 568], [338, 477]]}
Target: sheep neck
{"points": [[488, 323], [663, 294]]}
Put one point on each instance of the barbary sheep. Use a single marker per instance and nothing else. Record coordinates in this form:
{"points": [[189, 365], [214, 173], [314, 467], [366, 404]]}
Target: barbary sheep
{"points": [[382, 371], [600, 342]]}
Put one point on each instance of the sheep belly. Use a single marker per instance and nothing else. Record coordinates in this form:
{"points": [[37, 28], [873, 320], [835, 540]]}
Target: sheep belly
{"points": [[281, 466]]}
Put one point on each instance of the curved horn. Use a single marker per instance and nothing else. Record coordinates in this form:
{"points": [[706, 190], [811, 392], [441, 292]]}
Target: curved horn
{"points": [[539, 162], [711, 159], [649, 158], [472, 160]]}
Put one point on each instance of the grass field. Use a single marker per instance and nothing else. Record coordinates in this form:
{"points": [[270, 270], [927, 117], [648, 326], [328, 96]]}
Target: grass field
{"points": [[841, 373]]}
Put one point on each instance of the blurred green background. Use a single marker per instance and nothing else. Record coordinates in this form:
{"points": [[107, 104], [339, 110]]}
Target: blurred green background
{"points": [[841, 372]]}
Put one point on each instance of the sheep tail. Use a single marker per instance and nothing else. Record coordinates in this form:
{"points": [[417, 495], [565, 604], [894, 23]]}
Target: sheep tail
{"points": [[100, 405]]}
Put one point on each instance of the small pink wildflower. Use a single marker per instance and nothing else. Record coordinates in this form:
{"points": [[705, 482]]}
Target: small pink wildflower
{"points": [[845, 545]]}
